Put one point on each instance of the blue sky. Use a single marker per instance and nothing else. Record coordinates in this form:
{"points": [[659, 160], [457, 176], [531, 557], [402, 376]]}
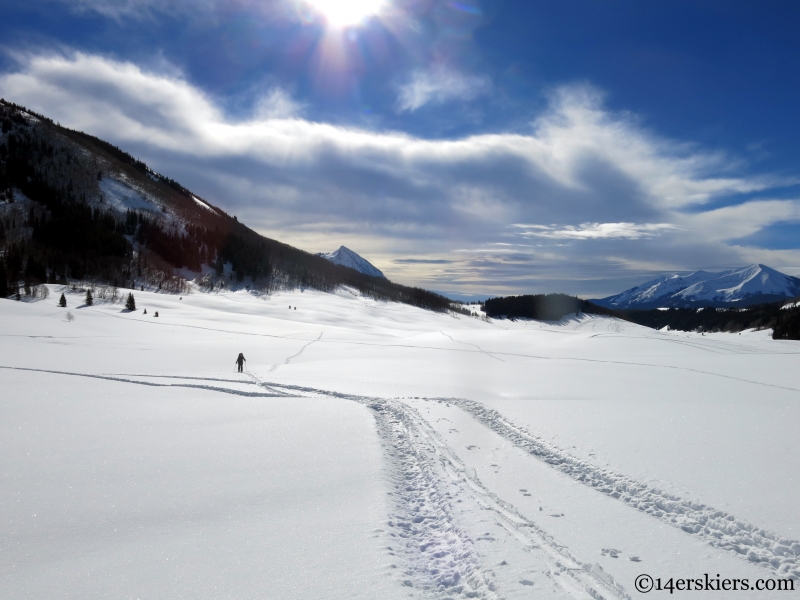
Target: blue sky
{"points": [[474, 147]]}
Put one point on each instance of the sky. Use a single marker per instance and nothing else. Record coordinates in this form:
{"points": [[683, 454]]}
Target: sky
{"points": [[472, 147]]}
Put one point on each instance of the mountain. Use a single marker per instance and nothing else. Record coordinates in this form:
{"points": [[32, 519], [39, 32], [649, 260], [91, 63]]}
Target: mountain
{"points": [[754, 284], [74, 208], [347, 258]]}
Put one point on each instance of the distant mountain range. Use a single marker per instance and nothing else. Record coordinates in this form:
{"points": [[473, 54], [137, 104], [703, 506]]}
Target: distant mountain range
{"points": [[347, 258], [744, 286]]}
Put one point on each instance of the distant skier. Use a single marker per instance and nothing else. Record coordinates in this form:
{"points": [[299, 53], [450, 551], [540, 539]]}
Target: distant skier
{"points": [[240, 361]]}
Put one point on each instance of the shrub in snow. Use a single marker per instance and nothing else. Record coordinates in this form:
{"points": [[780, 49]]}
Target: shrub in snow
{"points": [[70, 317], [62, 302], [130, 303], [89, 298]]}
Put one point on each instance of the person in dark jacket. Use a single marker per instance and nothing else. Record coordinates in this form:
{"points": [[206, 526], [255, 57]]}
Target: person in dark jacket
{"points": [[240, 361]]}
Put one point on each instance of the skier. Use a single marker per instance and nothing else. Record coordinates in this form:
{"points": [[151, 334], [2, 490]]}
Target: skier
{"points": [[240, 361]]}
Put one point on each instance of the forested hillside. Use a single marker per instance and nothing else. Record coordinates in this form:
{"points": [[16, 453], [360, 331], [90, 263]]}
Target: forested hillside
{"points": [[74, 207], [783, 320], [544, 307]]}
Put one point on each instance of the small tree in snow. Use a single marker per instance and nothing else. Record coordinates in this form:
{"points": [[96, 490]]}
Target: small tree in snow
{"points": [[70, 317], [62, 302], [89, 298], [130, 303]]}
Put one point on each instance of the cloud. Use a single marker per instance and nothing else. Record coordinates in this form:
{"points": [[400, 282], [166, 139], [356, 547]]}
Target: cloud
{"points": [[277, 104], [423, 261], [119, 9], [635, 200], [595, 231], [439, 86]]}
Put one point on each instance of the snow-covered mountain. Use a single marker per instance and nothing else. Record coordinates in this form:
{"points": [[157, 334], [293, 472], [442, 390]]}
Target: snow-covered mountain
{"points": [[347, 258], [753, 284]]}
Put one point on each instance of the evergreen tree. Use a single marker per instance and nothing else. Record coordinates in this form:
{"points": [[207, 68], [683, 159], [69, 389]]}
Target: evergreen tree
{"points": [[89, 298], [130, 303], [3, 281], [62, 302]]}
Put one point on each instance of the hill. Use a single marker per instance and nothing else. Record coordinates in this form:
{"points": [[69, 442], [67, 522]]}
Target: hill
{"points": [[74, 207]]}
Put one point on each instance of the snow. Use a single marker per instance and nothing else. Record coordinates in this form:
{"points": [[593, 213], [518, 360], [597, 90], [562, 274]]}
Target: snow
{"points": [[203, 204], [346, 257], [734, 285], [375, 450], [122, 197]]}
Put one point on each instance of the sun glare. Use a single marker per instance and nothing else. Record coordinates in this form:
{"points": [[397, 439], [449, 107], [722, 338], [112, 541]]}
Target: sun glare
{"points": [[341, 13]]}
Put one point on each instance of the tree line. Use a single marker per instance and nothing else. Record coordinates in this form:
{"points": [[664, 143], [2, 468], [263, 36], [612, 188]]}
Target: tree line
{"points": [[542, 307]]}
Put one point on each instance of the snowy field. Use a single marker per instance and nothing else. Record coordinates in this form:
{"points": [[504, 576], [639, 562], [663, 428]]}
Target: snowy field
{"points": [[375, 450]]}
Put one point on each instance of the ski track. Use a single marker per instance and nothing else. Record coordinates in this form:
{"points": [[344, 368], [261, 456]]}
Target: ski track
{"points": [[578, 580], [473, 345], [151, 384], [286, 362], [719, 528], [440, 558]]}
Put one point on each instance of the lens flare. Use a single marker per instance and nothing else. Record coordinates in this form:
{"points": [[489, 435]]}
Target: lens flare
{"points": [[341, 13]]}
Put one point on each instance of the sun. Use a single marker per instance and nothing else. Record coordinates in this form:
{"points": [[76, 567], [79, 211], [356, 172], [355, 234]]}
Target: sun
{"points": [[342, 13]]}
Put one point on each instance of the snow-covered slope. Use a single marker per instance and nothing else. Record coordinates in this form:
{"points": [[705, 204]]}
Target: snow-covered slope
{"points": [[346, 257], [743, 286], [376, 450]]}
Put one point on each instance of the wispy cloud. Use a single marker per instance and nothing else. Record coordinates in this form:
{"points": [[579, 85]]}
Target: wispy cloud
{"points": [[277, 104], [439, 86], [600, 177], [146, 10], [119, 9], [594, 231]]}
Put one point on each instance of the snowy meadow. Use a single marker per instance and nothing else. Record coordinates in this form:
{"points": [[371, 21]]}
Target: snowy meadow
{"points": [[376, 450]]}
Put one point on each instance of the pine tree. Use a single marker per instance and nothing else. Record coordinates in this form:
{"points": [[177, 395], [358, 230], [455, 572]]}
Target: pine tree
{"points": [[89, 298], [130, 303], [62, 302]]}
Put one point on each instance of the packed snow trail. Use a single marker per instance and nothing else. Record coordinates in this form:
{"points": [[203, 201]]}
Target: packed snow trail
{"points": [[717, 527], [441, 559], [576, 579]]}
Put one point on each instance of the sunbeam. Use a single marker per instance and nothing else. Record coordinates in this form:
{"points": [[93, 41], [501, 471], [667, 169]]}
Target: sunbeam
{"points": [[350, 12]]}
